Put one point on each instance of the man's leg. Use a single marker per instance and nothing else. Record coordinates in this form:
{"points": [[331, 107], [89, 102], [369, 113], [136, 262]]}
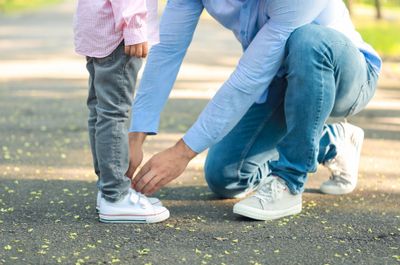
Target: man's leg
{"points": [[236, 164], [115, 78], [326, 76]]}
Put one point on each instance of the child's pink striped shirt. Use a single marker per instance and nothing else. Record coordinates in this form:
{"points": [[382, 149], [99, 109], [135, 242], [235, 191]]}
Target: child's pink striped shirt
{"points": [[101, 25]]}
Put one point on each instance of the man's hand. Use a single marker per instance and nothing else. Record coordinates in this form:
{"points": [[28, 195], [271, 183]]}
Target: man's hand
{"points": [[135, 152], [162, 168], [139, 50]]}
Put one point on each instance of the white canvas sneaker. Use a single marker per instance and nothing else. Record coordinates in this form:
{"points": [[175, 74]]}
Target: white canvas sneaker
{"points": [[133, 208], [272, 200], [344, 167], [152, 200]]}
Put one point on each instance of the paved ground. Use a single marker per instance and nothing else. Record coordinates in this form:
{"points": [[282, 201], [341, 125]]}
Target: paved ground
{"points": [[47, 190]]}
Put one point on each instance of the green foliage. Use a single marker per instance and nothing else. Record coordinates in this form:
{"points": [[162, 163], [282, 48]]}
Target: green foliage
{"points": [[7, 6], [382, 35], [384, 2]]}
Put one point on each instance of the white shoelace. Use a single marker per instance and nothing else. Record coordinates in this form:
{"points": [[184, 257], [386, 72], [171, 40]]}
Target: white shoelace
{"points": [[336, 171], [270, 189], [253, 182]]}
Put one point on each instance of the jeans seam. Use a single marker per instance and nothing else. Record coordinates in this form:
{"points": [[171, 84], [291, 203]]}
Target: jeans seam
{"points": [[320, 103], [363, 89], [122, 85], [355, 104]]}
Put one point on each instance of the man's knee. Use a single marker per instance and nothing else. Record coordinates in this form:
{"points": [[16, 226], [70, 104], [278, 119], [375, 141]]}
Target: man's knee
{"points": [[222, 180], [305, 39]]}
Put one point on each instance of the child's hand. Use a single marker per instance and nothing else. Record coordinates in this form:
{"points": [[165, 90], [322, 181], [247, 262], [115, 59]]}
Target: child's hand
{"points": [[139, 50]]}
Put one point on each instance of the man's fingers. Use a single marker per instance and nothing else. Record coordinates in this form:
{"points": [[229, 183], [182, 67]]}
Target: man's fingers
{"points": [[140, 174], [150, 186], [139, 50], [161, 183], [144, 181], [130, 172]]}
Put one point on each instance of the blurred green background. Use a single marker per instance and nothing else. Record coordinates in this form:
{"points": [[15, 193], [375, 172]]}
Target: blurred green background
{"points": [[9, 6], [377, 20]]}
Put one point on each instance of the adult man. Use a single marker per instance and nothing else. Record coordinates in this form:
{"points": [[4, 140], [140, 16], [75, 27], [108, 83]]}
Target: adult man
{"points": [[303, 62]]}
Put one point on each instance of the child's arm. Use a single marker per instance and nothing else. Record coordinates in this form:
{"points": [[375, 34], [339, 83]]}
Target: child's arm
{"points": [[131, 18]]}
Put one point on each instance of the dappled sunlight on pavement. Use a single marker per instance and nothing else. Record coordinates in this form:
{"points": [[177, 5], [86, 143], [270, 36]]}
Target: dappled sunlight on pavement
{"points": [[47, 184]]}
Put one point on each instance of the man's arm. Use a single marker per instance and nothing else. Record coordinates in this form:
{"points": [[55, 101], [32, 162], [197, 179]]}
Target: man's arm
{"points": [[258, 66], [136, 141], [177, 26]]}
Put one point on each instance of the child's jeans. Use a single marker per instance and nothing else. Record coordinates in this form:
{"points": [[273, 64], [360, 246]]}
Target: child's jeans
{"points": [[111, 85]]}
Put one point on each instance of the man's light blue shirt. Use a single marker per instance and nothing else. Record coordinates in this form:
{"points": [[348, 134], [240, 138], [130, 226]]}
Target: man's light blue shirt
{"points": [[262, 27]]}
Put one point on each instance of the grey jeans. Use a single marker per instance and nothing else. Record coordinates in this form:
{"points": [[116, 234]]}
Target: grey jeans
{"points": [[111, 85]]}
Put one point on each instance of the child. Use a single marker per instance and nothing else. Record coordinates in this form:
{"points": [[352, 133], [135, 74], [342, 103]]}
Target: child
{"points": [[113, 35]]}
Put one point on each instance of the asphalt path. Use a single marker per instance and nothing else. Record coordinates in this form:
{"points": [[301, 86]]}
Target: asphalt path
{"points": [[47, 187]]}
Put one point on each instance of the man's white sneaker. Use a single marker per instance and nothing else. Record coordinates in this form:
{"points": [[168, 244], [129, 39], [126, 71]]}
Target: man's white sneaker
{"points": [[133, 208], [152, 200], [344, 167], [272, 200]]}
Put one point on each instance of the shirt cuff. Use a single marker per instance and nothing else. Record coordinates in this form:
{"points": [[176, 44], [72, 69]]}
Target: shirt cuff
{"points": [[145, 122], [196, 141], [133, 35]]}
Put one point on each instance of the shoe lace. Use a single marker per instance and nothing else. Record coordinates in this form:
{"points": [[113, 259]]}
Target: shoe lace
{"points": [[336, 172], [253, 182], [270, 189], [333, 167]]}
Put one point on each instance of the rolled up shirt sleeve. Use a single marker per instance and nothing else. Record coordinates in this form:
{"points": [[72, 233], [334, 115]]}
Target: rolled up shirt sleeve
{"points": [[131, 18], [254, 73]]}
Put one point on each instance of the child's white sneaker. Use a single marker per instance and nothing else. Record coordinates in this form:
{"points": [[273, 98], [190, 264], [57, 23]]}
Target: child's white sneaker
{"points": [[133, 208], [152, 200]]}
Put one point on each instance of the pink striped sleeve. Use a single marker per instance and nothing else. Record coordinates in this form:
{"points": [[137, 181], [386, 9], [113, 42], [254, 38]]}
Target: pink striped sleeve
{"points": [[131, 18]]}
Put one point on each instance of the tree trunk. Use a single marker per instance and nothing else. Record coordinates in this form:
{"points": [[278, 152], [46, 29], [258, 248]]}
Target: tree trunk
{"points": [[349, 4], [378, 7]]}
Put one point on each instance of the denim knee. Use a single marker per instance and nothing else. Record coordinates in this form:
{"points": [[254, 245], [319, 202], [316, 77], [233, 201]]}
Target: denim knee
{"points": [[304, 50], [305, 38], [222, 180]]}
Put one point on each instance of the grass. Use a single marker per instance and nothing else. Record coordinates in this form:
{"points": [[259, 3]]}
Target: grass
{"points": [[10, 6], [382, 35]]}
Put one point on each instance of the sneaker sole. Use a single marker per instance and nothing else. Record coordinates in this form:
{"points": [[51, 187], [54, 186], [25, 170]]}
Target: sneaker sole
{"points": [[335, 190], [155, 204], [137, 219], [262, 215]]}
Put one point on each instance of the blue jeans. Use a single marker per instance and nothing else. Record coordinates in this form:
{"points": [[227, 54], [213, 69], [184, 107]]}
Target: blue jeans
{"points": [[323, 75], [111, 84]]}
